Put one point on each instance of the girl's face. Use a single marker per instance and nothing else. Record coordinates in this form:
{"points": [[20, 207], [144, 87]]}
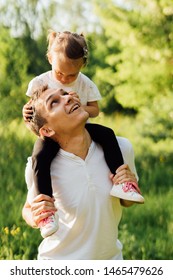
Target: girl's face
{"points": [[64, 69]]}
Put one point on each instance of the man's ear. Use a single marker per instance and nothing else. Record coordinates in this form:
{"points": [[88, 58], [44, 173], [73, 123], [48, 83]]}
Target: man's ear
{"points": [[46, 131]]}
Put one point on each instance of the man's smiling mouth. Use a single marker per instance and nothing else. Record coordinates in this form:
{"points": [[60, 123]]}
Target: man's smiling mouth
{"points": [[73, 108]]}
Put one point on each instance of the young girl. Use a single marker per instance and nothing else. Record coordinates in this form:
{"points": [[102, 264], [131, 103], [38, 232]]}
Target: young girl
{"points": [[68, 53]]}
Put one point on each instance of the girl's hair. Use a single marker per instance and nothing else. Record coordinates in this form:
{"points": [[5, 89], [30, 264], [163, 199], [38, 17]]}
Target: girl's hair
{"points": [[73, 45]]}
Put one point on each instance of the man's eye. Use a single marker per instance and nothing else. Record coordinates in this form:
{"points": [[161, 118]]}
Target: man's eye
{"points": [[65, 93], [54, 102]]}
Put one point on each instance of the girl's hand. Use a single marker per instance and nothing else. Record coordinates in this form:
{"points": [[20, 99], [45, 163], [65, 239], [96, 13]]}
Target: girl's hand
{"points": [[75, 95], [42, 207], [27, 111], [123, 174]]}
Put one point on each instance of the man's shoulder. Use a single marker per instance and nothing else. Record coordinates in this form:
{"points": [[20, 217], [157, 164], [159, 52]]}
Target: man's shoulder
{"points": [[125, 145], [124, 141]]}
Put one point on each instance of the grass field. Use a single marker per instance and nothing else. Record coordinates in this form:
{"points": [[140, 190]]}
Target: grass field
{"points": [[145, 230]]}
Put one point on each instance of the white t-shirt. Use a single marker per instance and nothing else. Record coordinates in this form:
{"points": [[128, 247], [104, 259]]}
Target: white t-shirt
{"points": [[88, 215], [83, 86]]}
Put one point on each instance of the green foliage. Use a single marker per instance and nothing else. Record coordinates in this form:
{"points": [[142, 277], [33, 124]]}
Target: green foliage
{"points": [[138, 55], [13, 75], [146, 230], [14, 243], [16, 240], [151, 157], [22, 59]]}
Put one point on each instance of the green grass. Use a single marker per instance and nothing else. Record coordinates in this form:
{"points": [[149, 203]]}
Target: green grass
{"points": [[145, 230]]}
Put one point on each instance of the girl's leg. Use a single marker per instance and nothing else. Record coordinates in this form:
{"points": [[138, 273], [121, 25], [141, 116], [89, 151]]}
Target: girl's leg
{"points": [[107, 139], [113, 156], [43, 153]]}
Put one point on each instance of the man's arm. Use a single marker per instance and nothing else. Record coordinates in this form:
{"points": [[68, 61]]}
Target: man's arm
{"points": [[126, 203], [27, 215]]}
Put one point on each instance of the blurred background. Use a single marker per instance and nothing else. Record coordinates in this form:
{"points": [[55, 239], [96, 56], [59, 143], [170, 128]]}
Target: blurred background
{"points": [[131, 61]]}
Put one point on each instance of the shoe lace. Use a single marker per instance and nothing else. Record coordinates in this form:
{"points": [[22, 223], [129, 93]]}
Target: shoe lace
{"points": [[131, 187], [47, 220], [50, 219]]}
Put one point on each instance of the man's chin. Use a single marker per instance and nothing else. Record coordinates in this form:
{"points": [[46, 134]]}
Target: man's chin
{"points": [[87, 115], [82, 114]]}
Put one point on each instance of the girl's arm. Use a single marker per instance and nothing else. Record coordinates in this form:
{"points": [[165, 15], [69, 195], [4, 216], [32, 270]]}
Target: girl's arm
{"points": [[27, 111], [92, 108]]}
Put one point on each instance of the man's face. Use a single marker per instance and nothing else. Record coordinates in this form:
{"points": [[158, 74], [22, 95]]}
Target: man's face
{"points": [[62, 111]]}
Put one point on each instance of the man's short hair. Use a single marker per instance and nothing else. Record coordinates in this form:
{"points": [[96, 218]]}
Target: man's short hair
{"points": [[36, 120]]}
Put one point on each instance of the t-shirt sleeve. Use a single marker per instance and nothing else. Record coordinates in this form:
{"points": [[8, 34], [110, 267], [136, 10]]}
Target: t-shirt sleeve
{"points": [[32, 192], [33, 85], [29, 173], [128, 154], [93, 93], [88, 90]]}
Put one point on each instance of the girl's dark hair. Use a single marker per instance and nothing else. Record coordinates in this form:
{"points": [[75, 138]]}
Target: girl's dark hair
{"points": [[73, 45]]}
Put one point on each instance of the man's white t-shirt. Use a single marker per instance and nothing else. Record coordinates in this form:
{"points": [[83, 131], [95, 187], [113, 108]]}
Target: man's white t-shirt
{"points": [[83, 86], [88, 215]]}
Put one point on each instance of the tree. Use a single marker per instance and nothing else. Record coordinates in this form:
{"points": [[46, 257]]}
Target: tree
{"points": [[26, 17], [22, 55], [138, 61], [12, 75]]}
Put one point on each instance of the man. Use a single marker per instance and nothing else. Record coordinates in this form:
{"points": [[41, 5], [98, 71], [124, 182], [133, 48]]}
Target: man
{"points": [[88, 215]]}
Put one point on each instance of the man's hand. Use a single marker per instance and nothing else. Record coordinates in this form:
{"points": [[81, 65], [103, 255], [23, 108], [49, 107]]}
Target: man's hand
{"points": [[123, 174], [42, 207], [74, 95]]}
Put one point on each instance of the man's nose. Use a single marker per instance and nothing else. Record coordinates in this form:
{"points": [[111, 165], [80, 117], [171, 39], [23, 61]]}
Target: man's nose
{"points": [[69, 98]]}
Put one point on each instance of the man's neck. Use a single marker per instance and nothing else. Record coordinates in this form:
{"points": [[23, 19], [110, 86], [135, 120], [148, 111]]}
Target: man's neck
{"points": [[77, 144]]}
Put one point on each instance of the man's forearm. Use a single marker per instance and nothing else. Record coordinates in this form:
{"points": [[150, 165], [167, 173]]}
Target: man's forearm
{"points": [[27, 216], [126, 203]]}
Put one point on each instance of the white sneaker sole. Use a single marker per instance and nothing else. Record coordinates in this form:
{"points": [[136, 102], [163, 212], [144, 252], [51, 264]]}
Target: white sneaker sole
{"points": [[50, 227], [48, 230]]}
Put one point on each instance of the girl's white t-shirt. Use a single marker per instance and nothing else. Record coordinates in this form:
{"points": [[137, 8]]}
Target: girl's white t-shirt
{"points": [[83, 86]]}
